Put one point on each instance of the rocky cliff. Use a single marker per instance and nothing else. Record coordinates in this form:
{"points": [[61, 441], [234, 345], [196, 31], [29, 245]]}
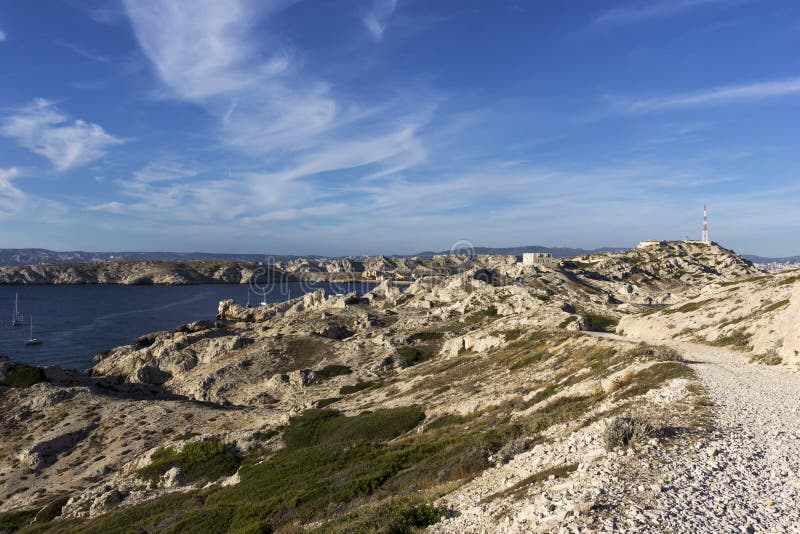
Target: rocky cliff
{"points": [[457, 401], [133, 273]]}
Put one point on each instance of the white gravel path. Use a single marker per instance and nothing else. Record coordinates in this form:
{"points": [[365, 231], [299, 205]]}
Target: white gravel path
{"points": [[745, 475]]}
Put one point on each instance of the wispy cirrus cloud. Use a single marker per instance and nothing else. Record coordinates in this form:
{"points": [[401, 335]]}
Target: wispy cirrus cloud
{"points": [[718, 95], [293, 124], [10, 196], [206, 52], [377, 18], [45, 130], [644, 11], [164, 171], [83, 52]]}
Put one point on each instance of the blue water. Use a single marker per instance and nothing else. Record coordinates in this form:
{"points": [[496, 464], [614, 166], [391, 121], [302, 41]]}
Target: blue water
{"points": [[77, 322]]}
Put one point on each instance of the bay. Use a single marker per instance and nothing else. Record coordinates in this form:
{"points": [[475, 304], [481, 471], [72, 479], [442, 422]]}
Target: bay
{"points": [[76, 322]]}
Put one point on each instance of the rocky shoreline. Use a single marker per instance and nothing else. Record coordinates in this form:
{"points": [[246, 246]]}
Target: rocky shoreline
{"points": [[481, 400]]}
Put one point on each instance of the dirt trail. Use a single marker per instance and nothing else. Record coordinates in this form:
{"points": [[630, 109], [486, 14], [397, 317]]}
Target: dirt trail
{"points": [[745, 476]]}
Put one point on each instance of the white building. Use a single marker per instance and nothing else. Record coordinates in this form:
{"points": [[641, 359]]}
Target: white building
{"points": [[538, 258]]}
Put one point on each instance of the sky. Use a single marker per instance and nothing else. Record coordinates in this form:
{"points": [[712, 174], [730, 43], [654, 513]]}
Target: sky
{"points": [[341, 127]]}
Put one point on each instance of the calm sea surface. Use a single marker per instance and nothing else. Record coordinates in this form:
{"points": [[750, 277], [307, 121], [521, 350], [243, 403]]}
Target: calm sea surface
{"points": [[77, 322]]}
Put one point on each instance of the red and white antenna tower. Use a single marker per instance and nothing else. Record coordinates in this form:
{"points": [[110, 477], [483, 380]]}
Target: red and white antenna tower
{"points": [[705, 223]]}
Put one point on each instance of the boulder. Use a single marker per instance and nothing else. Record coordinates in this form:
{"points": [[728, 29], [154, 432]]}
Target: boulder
{"points": [[335, 331], [149, 374]]}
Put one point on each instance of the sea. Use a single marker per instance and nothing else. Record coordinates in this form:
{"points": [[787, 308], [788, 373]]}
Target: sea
{"points": [[75, 322]]}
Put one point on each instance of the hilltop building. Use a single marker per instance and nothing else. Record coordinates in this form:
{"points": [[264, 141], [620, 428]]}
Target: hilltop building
{"points": [[539, 258]]}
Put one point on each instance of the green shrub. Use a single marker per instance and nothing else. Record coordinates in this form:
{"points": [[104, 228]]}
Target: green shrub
{"points": [[528, 360], [23, 376], [333, 370], [775, 306], [770, 357], [511, 335], [205, 460], [408, 356], [625, 430], [51, 511], [738, 340], [186, 436], [600, 322], [567, 321], [426, 336], [12, 521], [652, 377], [321, 403], [316, 427], [358, 386]]}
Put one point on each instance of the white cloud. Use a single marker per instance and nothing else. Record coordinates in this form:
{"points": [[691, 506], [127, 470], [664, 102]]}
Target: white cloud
{"points": [[44, 130], [378, 17], [650, 10], [164, 172], [3, 36], [266, 106], [11, 197], [109, 207], [206, 52], [719, 95]]}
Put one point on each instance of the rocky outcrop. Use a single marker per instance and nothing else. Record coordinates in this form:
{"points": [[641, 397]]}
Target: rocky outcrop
{"points": [[138, 273]]}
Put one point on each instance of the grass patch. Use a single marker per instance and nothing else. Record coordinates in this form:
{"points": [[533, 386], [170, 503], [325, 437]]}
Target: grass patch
{"points": [[768, 358], [205, 460], [652, 377], [426, 336], [528, 360], [186, 436], [561, 471], [737, 340], [321, 403], [317, 427], [569, 320], [358, 386], [394, 516], [600, 323], [622, 431], [23, 376], [775, 306], [513, 334], [790, 280], [333, 370], [408, 356], [13, 521], [563, 410]]}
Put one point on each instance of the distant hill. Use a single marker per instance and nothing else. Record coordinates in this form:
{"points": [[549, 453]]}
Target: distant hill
{"points": [[558, 252], [30, 256], [762, 259]]}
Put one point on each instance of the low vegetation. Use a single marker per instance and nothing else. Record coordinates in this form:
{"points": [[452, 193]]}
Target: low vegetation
{"points": [[600, 323], [737, 340], [770, 357], [408, 356], [332, 370], [23, 376], [358, 386], [205, 460], [622, 431], [525, 361]]}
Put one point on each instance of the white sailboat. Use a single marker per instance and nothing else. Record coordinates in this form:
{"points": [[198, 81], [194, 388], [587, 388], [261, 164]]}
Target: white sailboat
{"points": [[33, 340], [16, 318]]}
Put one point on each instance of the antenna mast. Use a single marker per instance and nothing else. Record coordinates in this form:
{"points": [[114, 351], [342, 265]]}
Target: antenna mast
{"points": [[705, 224]]}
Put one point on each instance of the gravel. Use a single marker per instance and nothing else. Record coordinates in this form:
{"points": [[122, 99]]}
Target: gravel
{"points": [[740, 475], [744, 475]]}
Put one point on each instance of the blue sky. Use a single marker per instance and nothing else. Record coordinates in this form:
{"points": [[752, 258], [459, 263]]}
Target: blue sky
{"points": [[381, 126]]}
